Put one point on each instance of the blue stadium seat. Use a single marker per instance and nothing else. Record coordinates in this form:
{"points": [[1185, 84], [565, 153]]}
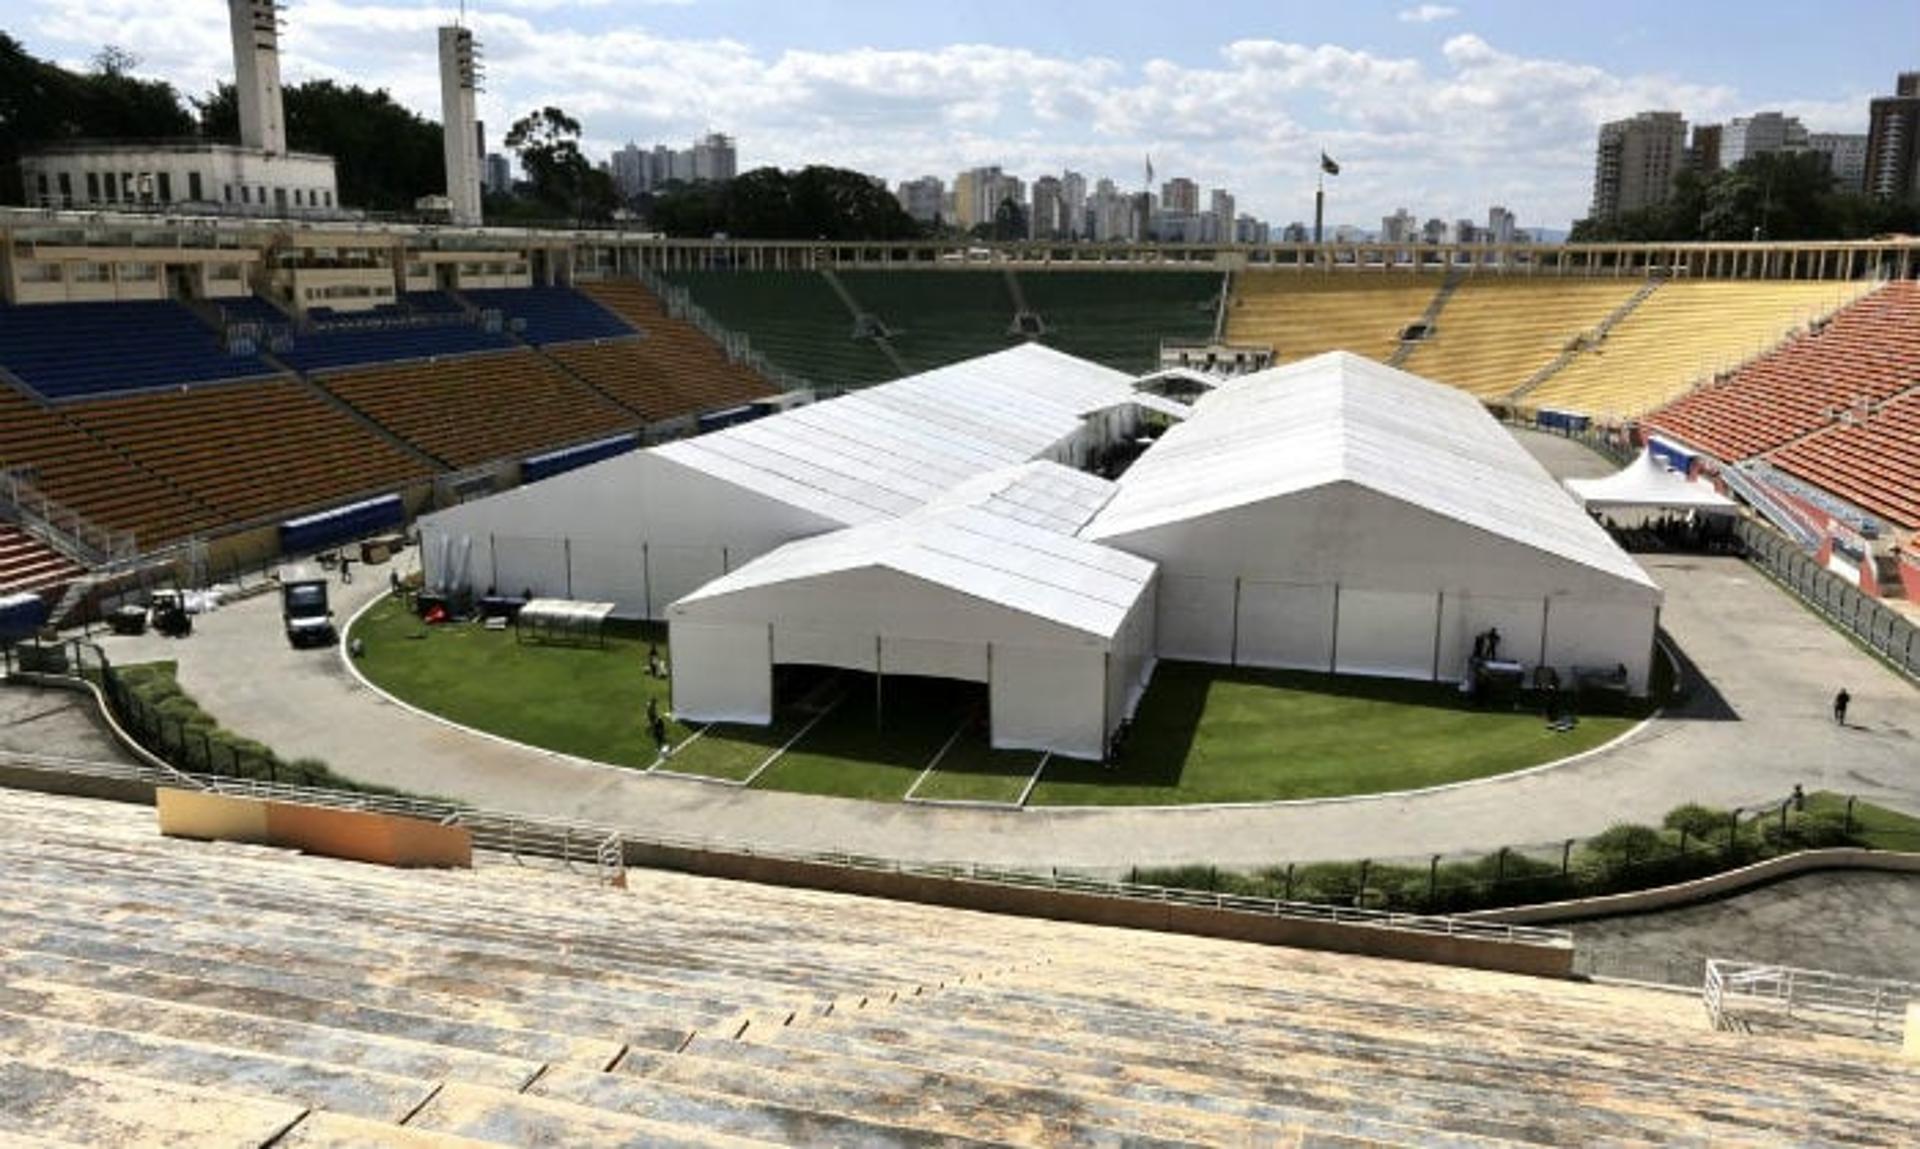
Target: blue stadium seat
{"points": [[552, 314], [75, 350]]}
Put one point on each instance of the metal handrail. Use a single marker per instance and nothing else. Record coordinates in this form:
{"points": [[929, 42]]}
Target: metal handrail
{"points": [[1881, 1002], [568, 840]]}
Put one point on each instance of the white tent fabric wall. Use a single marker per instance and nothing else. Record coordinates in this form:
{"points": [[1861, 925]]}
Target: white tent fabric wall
{"points": [[987, 584], [1339, 515], [691, 510]]}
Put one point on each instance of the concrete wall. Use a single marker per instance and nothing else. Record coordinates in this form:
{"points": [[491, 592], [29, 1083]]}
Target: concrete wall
{"points": [[1703, 889], [357, 835], [1094, 909]]}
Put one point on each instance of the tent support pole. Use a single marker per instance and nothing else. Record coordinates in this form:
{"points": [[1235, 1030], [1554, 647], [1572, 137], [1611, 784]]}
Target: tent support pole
{"points": [[1546, 609], [879, 685], [1439, 615], [1333, 646]]}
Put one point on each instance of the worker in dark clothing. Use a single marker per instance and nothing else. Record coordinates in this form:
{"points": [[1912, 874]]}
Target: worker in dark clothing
{"points": [[1840, 702]]}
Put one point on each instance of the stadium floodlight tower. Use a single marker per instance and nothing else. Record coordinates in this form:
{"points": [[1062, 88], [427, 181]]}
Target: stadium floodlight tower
{"points": [[256, 66], [459, 80]]}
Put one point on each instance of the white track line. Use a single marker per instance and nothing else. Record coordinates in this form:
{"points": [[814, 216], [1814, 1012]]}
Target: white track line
{"points": [[937, 756], [829, 708], [1045, 757]]}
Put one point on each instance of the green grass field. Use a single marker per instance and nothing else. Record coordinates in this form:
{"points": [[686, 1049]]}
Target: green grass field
{"points": [[973, 771], [1220, 734], [1202, 733], [586, 701]]}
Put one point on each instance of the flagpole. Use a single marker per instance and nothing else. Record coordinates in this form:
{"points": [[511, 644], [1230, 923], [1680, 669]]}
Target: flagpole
{"points": [[1319, 204]]}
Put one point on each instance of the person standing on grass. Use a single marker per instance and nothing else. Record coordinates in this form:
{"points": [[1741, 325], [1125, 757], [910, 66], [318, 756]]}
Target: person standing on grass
{"points": [[1840, 702], [658, 725]]}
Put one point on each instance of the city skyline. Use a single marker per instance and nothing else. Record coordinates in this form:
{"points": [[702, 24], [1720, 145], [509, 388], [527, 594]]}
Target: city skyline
{"points": [[1448, 107]]}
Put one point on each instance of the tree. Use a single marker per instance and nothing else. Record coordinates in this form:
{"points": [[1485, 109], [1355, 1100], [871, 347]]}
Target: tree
{"points": [[548, 144], [385, 157], [766, 203]]}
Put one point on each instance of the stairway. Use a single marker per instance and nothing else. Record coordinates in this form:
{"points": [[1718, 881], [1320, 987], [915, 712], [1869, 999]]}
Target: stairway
{"points": [[1585, 340], [866, 325], [28, 565], [1449, 283]]}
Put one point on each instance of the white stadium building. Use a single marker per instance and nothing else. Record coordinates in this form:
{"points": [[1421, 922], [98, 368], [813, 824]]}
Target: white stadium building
{"points": [[1332, 515]]}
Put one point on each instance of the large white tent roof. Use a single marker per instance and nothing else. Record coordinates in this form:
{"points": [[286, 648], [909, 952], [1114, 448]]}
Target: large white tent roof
{"points": [[1648, 482], [1342, 418], [886, 450], [1005, 538]]}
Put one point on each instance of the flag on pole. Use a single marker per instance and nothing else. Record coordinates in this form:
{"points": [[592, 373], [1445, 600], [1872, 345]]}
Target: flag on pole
{"points": [[1149, 167], [1328, 166]]}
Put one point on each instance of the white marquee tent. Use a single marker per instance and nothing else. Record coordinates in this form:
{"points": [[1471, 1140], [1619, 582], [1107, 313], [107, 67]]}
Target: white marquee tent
{"points": [[1337, 514], [646, 528], [986, 584], [1649, 483]]}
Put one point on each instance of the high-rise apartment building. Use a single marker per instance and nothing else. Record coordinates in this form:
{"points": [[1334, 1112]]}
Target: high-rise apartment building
{"points": [[637, 170], [1180, 196], [714, 159], [1893, 141], [923, 199], [499, 174], [1499, 225], [1704, 154], [1400, 227], [1073, 190], [1047, 216], [1221, 213], [1756, 135], [1635, 162], [1846, 154]]}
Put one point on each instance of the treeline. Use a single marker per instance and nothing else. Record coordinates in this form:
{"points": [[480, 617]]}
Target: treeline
{"points": [[385, 156], [1775, 196], [815, 202]]}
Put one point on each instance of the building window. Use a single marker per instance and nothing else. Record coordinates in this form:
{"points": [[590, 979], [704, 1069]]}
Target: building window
{"points": [[137, 272], [329, 196], [193, 186], [93, 187], [246, 194], [45, 189], [280, 198], [229, 188], [128, 190], [165, 182], [66, 188]]}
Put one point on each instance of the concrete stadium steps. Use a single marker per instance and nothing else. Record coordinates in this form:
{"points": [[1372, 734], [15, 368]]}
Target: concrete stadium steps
{"points": [[474, 409], [251, 450], [1495, 333], [1121, 318], [91, 477], [1301, 314], [795, 319], [672, 373], [28, 565], [1680, 336], [155, 990]]}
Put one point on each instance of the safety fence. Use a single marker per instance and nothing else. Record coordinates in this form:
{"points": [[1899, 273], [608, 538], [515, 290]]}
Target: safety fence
{"points": [[1885, 632], [1734, 992]]}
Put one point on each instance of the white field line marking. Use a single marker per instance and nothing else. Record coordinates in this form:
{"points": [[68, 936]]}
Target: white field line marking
{"points": [[1045, 757], [788, 744], [937, 756]]}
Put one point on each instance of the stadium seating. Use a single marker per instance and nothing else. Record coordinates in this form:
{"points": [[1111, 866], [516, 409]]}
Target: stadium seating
{"points": [[1304, 314], [348, 342], [1120, 318], [29, 565], [1495, 333], [251, 451], [1871, 460], [159, 991], [936, 318], [88, 476], [1679, 337], [1869, 351], [479, 408], [545, 315], [795, 320], [73, 350], [673, 372]]}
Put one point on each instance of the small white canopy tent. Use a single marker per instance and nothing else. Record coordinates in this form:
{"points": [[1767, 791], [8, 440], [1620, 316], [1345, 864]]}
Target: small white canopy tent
{"points": [[1340, 515], [987, 584], [1647, 482]]}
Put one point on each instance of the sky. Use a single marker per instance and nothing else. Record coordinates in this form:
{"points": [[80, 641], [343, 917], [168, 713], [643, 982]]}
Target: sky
{"points": [[1442, 108]]}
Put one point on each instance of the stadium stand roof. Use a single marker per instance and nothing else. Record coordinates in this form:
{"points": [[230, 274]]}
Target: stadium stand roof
{"points": [[1005, 538], [1338, 417], [886, 450]]}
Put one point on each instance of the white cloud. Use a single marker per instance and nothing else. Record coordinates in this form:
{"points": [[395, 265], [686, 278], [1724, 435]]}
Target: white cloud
{"points": [[1428, 14], [1445, 134]]}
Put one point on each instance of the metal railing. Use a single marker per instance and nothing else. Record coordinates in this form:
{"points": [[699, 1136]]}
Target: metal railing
{"points": [[59, 526], [1885, 632], [524, 835], [1794, 993], [1777, 512]]}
